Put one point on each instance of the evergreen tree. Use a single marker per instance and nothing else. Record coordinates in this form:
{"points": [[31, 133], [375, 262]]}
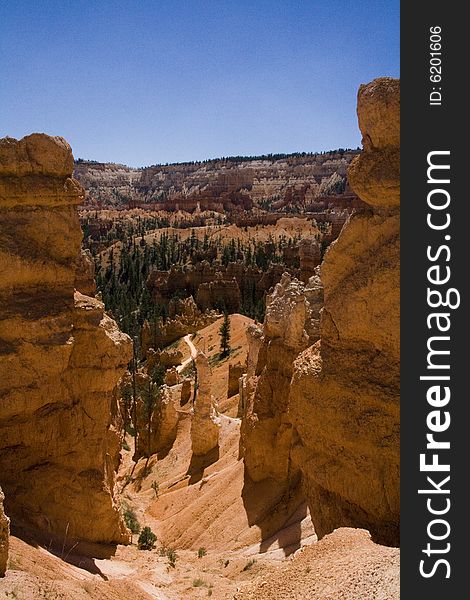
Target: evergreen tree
{"points": [[224, 332]]}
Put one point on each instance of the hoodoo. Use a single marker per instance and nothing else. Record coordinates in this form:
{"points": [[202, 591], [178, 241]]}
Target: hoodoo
{"points": [[60, 355]]}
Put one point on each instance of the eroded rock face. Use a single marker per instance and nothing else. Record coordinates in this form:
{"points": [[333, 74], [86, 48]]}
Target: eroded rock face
{"points": [[234, 373], [4, 536], [266, 430], [344, 398], [188, 319], [205, 425], [60, 355]]}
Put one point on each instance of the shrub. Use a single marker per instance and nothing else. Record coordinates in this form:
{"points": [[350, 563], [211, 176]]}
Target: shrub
{"points": [[172, 556], [155, 487], [147, 539], [130, 519], [201, 552], [199, 582], [249, 564]]}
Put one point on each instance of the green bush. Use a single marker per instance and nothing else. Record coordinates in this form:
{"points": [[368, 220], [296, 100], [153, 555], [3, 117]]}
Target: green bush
{"points": [[172, 556], [201, 552], [130, 519], [147, 539]]}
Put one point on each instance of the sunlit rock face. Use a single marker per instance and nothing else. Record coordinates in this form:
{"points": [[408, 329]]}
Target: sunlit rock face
{"points": [[60, 354], [344, 398]]}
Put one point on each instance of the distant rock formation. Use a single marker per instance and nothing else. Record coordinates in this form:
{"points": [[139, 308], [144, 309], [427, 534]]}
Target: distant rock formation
{"points": [[344, 399], [224, 185], [221, 293], [61, 355], [172, 377], [189, 319], [204, 423], [213, 285], [4, 536]]}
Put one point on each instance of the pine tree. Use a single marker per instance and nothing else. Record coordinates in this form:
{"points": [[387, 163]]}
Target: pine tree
{"points": [[224, 332]]}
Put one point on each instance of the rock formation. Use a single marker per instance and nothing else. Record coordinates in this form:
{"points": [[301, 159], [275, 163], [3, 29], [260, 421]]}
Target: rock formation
{"points": [[204, 423], [172, 377], [185, 392], [310, 257], [344, 398], [4, 536], [85, 274], [320, 399], [223, 294], [213, 286], [61, 355], [228, 185], [266, 431], [189, 319], [159, 419], [234, 373]]}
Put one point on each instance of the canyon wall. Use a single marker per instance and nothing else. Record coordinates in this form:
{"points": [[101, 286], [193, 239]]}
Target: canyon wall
{"points": [[60, 355], [223, 185], [345, 393], [321, 395]]}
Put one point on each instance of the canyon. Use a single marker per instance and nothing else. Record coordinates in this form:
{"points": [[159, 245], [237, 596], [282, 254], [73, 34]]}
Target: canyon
{"points": [[268, 471], [223, 185]]}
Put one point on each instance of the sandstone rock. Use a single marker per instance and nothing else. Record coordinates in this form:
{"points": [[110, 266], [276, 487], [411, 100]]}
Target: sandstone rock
{"points": [[375, 174], [172, 377], [221, 293], [234, 373], [36, 154], [344, 398], [205, 423], [186, 390], [85, 274], [266, 430], [61, 355], [229, 186], [188, 319], [157, 416], [310, 257], [4, 536]]}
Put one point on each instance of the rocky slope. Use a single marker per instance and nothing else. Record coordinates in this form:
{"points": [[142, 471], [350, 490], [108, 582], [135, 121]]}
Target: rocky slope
{"points": [[60, 355], [329, 410], [221, 185]]}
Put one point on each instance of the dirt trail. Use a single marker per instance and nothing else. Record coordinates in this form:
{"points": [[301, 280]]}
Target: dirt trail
{"points": [[193, 349]]}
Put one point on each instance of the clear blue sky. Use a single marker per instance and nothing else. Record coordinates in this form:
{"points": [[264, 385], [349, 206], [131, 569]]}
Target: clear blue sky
{"points": [[142, 81]]}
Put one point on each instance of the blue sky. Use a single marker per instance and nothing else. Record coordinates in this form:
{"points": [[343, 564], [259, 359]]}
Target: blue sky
{"points": [[142, 82]]}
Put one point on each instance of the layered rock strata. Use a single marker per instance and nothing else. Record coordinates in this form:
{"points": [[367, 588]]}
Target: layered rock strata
{"points": [[205, 424], [344, 397], [60, 355]]}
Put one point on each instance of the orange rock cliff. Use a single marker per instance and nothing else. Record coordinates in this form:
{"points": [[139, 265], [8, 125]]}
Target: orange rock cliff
{"points": [[327, 410], [60, 355]]}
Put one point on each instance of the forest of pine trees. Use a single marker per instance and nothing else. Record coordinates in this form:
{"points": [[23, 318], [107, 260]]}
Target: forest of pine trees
{"points": [[122, 272]]}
